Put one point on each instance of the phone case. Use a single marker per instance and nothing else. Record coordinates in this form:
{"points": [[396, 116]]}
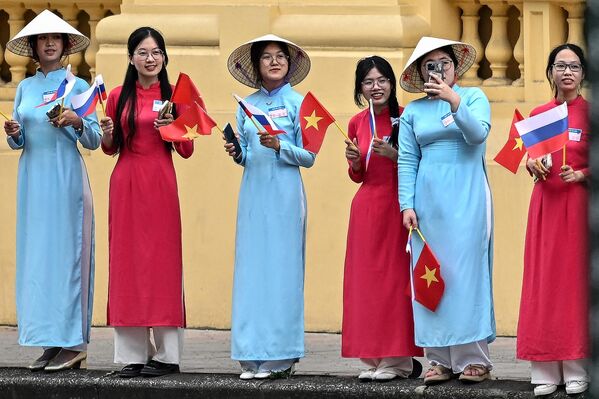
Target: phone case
{"points": [[230, 137]]}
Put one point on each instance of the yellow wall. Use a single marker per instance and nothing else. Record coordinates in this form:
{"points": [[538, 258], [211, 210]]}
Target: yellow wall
{"points": [[200, 36]]}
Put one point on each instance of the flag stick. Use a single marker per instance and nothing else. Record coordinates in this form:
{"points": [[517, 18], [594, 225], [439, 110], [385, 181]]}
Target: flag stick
{"points": [[4, 116], [341, 130], [420, 234], [564, 156], [102, 103]]}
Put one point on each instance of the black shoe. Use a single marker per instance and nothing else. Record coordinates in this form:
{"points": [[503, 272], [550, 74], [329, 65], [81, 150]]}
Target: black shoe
{"points": [[44, 359], [131, 370], [155, 368], [416, 369]]}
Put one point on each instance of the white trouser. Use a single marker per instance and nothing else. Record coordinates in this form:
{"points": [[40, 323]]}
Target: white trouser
{"points": [[264, 366], [402, 366], [133, 345], [558, 372], [458, 357]]}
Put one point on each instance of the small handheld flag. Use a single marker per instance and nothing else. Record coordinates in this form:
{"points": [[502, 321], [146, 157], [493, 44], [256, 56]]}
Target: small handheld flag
{"points": [[188, 126], [257, 114], [372, 131], [546, 132], [427, 285], [512, 152], [186, 92], [64, 88], [314, 122], [85, 103]]}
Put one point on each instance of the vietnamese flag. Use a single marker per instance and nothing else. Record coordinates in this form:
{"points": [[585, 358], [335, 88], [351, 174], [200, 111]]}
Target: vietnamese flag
{"points": [[186, 92], [190, 124], [512, 152], [314, 121], [428, 283]]}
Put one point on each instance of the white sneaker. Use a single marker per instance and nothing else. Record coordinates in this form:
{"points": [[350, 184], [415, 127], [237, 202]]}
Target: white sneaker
{"points": [[261, 375], [247, 374], [384, 375], [367, 375], [545, 389], [573, 387]]}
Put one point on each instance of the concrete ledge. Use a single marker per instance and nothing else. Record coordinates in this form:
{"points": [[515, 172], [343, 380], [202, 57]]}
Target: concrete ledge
{"points": [[94, 384]]}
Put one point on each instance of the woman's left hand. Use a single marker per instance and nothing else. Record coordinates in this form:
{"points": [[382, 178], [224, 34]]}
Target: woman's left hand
{"points": [[570, 175], [438, 89], [167, 120], [384, 149], [270, 141], [67, 117]]}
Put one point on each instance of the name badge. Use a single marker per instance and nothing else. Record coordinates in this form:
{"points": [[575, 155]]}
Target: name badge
{"points": [[574, 134], [157, 105], [277, 112], [447, 119], [47, 95]]}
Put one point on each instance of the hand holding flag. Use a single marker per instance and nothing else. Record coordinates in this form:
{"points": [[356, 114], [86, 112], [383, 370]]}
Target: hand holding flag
{"points": [[188, 126], [256, 114], [427, 285]]}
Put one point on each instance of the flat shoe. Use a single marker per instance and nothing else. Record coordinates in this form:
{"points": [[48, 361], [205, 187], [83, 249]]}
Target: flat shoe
{"points": [[67, 359], [367, 375], [247, 375], [384, 375], [545, 389], [154, 368], [574, 387], [484, 374], [131, 370], [262, 375], [44, 359], [442, 374]]}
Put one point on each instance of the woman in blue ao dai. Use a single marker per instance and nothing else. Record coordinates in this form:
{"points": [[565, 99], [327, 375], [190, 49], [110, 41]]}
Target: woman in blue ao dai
{"points": [[267, 331], [444, 190], [55, 240]]}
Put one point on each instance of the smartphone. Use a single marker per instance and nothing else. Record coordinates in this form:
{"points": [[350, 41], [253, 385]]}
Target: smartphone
{"points": [[230, 137], [53, 112], [435, 68]]}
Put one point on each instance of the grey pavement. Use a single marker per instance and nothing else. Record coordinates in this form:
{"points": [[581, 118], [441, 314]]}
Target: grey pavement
{"points": [[208, 351]]}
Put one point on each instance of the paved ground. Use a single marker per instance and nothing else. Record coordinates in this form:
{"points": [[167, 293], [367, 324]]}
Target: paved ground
{"points": [[207, 351]]}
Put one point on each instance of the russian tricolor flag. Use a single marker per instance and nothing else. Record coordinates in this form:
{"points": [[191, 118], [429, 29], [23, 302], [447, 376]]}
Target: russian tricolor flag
{"points": [[372, 131], [63, 90], [546, 132], [259, 116], [85, 103]]}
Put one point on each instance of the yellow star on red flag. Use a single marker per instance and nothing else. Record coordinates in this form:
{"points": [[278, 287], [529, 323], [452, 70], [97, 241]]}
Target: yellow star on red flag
{"points": [[519, 144], [312, 120], [429, 276], [192, 132]]}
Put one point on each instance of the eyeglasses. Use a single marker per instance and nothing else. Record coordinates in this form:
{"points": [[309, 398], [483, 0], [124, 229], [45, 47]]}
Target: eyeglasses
{"points": [[561, 67], [430, 66], [281, 58], [155, 53], [381, 82]]}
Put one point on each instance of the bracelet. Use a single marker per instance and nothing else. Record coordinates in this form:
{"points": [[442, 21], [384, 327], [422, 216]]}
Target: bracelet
{"points": [[80, 129]]}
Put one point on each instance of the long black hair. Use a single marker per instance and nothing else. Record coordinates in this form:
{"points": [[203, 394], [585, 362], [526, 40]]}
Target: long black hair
{"points": [[382, 65], [551, 60], [128, 98], [256, 52]]}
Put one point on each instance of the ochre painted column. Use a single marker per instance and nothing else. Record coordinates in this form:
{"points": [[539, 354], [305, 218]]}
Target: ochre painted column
{"points": [[17, 63], [575, 22], [519, 47], [498, 49], [69, 14], [470, 35]]}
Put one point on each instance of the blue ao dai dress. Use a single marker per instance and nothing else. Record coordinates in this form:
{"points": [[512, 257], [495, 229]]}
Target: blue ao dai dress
{"points": [[55, 224], [442, 176], [268, 285]]}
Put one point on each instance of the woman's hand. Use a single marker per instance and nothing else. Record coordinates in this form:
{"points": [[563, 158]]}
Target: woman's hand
{"points": [[537, 168], [107, 126], [410, 219], [436, 88], [570, 175], [270, 141], [353, 155], [230, 148], [67, 117], [12, 128], [384, 149], [166, 120]]}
